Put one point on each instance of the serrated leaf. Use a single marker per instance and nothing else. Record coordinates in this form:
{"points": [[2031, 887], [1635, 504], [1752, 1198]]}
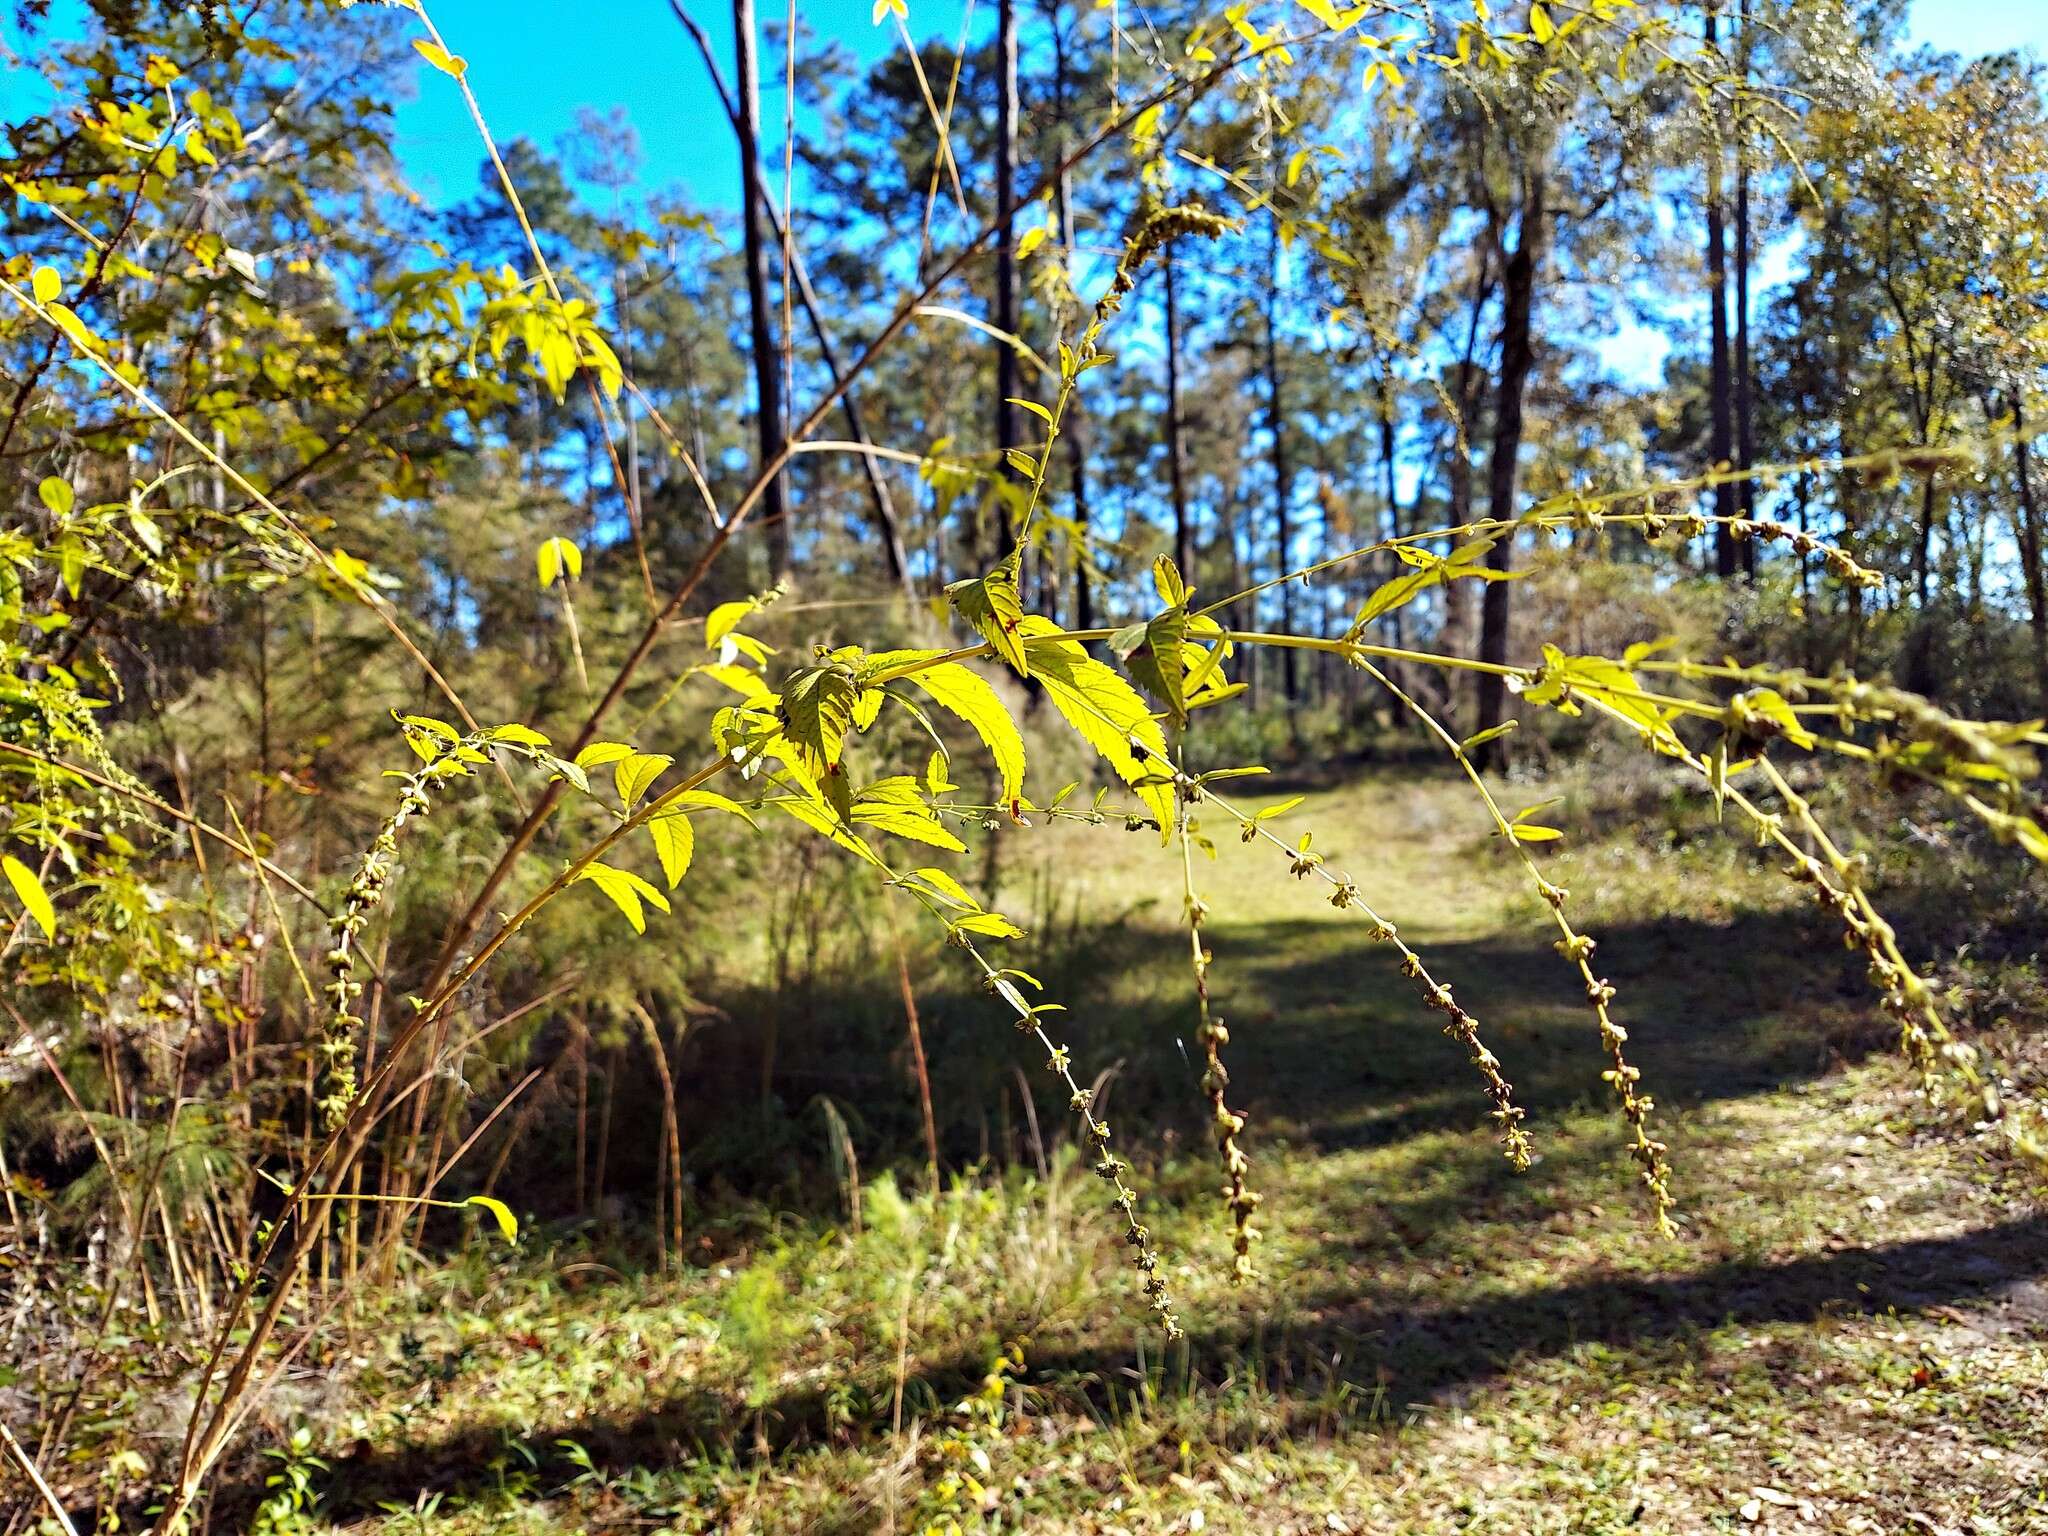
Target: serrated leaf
{"points": [[1427, 570], [820, 817], [627, 891], [1107, 712], [675, 842], [32, 895], [894, 805], [635, 774], [1168, 582], [973, 699], [988, 925], [945, 887], [991, 604], [1153, 657], [816, 709]]}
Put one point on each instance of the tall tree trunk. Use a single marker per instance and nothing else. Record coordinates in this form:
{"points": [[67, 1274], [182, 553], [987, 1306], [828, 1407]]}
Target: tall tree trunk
{"points": [[1745, 376], [1721, 433], [1517, 357], [767, 378], [2030, 544], [1283, 471], [1389, 453], [1007, 387], [1923, 547], [1176, 449], [1470, 381], [1074, 429]]}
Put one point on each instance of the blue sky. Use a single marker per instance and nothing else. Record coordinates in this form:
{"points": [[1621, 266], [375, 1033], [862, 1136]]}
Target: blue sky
{"points": [[533, 64], [532, 72]]}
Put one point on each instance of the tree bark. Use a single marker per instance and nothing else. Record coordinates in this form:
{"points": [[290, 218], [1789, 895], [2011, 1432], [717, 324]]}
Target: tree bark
{"points": [[767, 378], [893, 551], [1007, 387], [1283, 470], [1176, 449], [1745, 374], [1721, 432], [1517, 357], [2030, 544], [1470, 381], [1074, 428]]}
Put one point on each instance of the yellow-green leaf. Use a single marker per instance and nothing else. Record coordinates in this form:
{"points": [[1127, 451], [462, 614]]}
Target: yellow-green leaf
{"points": [[33, 896], [77, 330], [967, 694], [557, 555], [675, 843], [501, 1213], [627, 891], [894, 805], [45, 284], [992, 605], [1108, 713], [634, 775], [712, 800], [723, 619], [448, 63]]}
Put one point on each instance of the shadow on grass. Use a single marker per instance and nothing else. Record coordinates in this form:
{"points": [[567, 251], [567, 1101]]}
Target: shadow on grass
{"points": [[1411, 1355], [1332, 1046], [1333, 1051]]}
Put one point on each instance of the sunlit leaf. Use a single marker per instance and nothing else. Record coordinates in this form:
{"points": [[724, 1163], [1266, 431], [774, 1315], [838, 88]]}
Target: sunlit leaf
{"points": [[634, 775], [33, 897], [501, 1213], [448, 63], [627, 891], [675, 843], [991, 604]]}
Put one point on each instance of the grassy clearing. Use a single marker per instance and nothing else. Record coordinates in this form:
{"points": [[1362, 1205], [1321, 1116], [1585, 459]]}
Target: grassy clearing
{"points": [[1851, 1334]]}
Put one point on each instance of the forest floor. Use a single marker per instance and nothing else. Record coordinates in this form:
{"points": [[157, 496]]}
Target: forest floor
{"points": [[1850, 1333]]}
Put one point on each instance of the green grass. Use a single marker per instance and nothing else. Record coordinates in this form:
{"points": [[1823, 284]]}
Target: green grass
{"points": [[1851, 1333]]}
